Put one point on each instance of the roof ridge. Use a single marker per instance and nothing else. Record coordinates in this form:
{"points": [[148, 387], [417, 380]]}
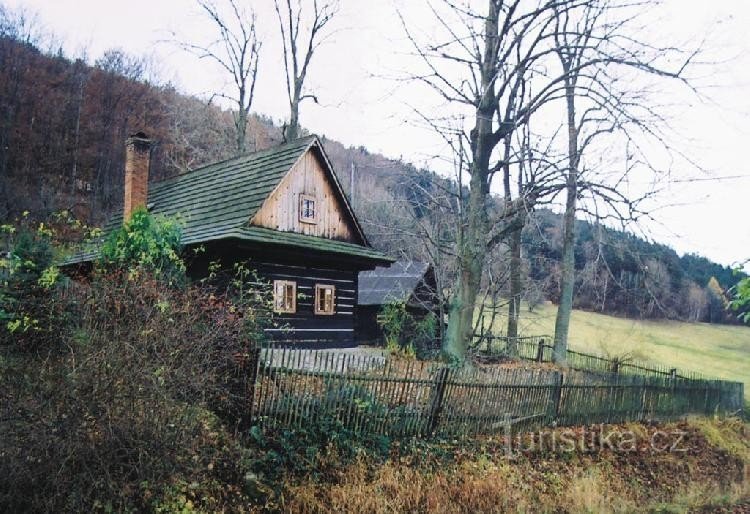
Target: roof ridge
{"points": [[239, 158]]}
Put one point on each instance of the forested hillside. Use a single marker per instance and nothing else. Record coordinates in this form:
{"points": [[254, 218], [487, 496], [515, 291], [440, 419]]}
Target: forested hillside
{"points": [[63, 123]]}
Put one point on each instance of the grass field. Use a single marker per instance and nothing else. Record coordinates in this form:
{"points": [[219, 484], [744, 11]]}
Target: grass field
{"points": [[719, 351]]}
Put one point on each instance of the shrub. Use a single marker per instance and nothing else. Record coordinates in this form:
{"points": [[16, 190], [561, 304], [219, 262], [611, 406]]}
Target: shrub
{"points": [[741, 300], [325, 443], [147, 396], [145, 242], [405, 334], [135, 396], [28, 319]]}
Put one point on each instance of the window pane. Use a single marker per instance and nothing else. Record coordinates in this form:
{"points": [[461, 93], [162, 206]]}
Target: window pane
{"points": [[289, 297], [307, 208], [284, 296]]}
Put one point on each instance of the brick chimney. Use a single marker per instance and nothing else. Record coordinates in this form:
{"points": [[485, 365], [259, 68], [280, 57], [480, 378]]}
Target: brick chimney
{"points": [[137, 163]]}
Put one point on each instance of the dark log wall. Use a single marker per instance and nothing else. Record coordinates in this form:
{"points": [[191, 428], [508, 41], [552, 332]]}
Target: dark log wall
{"points": [[306, 268], [304, 327]]}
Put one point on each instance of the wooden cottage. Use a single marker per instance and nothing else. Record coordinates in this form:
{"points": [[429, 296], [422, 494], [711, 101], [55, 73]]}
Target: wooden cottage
{"points": [[284, 211], [410, 282]]}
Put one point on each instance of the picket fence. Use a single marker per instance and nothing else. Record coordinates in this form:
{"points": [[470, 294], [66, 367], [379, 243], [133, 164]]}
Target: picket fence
{"points": [[292, 388]]}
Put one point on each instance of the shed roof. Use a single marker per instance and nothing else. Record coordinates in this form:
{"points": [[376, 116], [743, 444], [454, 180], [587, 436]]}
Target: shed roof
{"points": [[396, 282], [217, 202]]}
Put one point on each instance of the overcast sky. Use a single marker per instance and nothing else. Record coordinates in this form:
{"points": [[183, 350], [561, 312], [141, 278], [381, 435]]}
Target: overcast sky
{"points": [[361, 105]]}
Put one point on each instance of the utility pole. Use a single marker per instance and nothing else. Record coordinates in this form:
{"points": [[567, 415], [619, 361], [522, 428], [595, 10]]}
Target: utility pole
{"points": [[351, 184]]}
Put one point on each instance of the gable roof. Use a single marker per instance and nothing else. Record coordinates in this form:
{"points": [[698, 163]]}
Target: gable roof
{"points": [[218, 201], [397, 282]]}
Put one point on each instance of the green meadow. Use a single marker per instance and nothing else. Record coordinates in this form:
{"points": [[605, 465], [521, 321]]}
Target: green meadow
{"points": [[720, 351]]}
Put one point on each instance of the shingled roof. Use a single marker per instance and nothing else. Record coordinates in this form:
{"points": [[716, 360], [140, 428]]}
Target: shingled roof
{"points": [[395, 283], [217, 202]]}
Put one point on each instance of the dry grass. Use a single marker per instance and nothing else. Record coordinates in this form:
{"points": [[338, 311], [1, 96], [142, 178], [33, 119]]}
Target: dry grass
{"points": [[480, 480], [731, 435]]}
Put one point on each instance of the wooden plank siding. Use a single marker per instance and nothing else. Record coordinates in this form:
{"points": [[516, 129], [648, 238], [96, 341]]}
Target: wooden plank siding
{"points": [[308, 176], [304, 326]]}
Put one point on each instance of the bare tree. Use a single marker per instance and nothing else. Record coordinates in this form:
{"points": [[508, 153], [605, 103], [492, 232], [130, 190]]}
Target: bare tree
{"points": [[593, 42], [236, 50], [499, 49], [299, 46]]}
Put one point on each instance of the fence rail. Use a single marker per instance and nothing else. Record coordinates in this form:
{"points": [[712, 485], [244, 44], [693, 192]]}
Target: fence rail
{"points": [[380, 395], [539, 349]]}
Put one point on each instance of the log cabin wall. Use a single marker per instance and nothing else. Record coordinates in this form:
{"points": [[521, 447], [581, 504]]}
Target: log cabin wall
{"points": [[304, 327], [281, 211]]}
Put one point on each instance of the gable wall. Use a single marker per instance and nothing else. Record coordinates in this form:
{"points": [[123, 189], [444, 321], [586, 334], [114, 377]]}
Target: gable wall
{"points": [[281, 210]]}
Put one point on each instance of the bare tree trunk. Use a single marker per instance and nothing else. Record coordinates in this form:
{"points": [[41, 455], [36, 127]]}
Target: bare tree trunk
{"points": [[291, 131], [514, 305], [564, 310], [240, 124], [472, 247]]}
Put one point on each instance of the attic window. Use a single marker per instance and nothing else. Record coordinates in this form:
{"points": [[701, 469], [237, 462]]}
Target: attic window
{"points": [[307, 213], [325, 299], [284, 296]]}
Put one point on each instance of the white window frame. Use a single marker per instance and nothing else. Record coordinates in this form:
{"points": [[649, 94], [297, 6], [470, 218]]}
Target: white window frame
{"points": [[283, 284], [308, 219], [319, 288]]}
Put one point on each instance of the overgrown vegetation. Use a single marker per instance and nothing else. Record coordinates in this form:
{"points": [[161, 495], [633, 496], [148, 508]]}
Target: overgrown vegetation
{"points": [[406, 333], [126, 389], [133, 390], [479, 477], [28, 277], [145, 242], [741, 301]]}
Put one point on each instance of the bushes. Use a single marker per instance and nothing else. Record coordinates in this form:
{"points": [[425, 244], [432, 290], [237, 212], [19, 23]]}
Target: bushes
{"points": [[129, 392], [133, 396], [28, 320], [404, 332], [146, 242], [147, 394]]}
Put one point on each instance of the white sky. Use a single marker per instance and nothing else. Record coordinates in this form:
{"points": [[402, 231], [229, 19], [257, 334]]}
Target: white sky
{"points": [[361, 105]]}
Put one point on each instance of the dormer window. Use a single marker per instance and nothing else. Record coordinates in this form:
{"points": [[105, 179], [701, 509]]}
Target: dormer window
{"points": [[307, 212]]}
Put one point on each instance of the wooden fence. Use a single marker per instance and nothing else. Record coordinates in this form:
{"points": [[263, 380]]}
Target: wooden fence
{"points": [[539, 349], [379, 395]]}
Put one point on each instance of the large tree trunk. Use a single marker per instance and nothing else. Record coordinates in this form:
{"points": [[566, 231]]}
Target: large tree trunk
{"points": [[472, 245], [471, 255], [562, 322]]}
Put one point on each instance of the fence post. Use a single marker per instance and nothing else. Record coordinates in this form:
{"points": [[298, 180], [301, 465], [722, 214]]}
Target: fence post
{"points": [[558, 394], [673, 373], [540, 351], [436, 399]]}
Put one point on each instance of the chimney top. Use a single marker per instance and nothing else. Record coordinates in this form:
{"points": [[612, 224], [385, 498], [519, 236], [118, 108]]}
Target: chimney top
{"points": [[139, 139]]}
